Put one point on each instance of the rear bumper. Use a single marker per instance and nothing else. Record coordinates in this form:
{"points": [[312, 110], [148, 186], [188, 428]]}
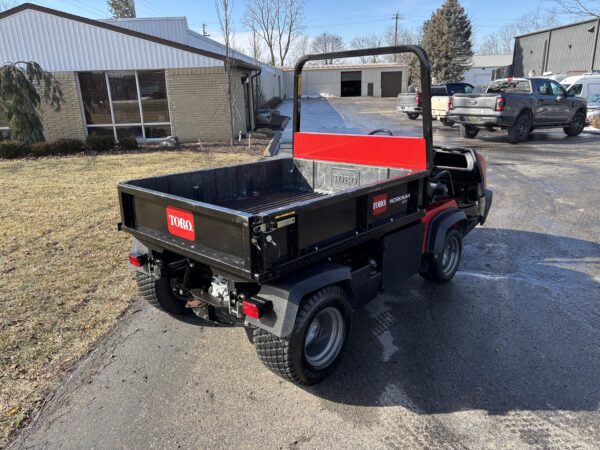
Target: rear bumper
{"points": [[479, 121], [410, 109], [488, 197]]}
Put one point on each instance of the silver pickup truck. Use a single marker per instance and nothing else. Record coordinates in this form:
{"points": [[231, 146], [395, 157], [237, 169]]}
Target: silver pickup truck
{"points": [[518, 105], [410, 102]]}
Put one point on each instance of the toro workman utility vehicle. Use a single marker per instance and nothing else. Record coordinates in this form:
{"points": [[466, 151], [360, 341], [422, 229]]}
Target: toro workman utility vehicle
{"points": [[290, 247]]}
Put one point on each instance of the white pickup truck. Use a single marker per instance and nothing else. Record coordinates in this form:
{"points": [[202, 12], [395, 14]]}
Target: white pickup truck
{"points": [[441, 95]]}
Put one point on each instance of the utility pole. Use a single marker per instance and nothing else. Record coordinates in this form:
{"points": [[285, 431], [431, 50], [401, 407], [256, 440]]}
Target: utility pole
{"points": [[397, 17], [204, 33]]}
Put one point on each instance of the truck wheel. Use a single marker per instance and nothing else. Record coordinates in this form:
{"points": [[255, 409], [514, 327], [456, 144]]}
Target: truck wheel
{"points": [[520, 129], [577, 125], [159, 294], [249, 333], [413, 116], [468, 132], [444, 265], [447, 123], [314, 347]]}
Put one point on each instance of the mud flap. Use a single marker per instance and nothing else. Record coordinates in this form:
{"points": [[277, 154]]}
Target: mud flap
{"points": [[401, 257]]}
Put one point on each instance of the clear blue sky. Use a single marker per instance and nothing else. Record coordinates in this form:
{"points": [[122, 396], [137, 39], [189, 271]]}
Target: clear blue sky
{"points": [[356, 17]]}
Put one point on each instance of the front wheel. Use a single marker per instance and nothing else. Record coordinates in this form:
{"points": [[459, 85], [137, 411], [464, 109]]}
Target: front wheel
{"points": [[314, 347], [576, 126], [468, 131], [443, 266], [413, 116]]}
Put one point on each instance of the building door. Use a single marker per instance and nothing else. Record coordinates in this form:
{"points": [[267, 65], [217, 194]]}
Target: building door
{"points": [[351, 84], [370, 89], [391, 84]]}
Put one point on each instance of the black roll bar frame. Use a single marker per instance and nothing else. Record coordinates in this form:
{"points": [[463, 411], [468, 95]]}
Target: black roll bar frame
{"points": [[425, 84]]}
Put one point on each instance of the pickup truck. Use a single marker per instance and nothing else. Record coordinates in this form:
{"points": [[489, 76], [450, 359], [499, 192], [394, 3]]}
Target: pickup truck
{"points": [[290, 247], [410, 103], [519, 105]]}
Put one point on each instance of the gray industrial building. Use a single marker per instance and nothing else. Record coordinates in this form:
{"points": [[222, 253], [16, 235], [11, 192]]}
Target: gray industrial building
{"points": [[568, 49]]}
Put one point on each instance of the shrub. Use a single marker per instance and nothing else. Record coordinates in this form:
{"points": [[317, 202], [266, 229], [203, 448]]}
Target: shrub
{"points": [[100, 143], [60, 147], [595, 121], [42, 149], [13, 149], [128, 143]]}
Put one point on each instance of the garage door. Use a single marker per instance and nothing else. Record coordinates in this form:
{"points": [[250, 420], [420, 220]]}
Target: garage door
{"points": [[351, 84], [391, 84]]}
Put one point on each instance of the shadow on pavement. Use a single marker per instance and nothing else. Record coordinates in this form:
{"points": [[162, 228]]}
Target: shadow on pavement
{"points": [[520, 333]]}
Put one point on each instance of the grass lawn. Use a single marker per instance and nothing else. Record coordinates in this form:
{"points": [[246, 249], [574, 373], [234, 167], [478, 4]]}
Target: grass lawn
{"points": [[64, 280]]}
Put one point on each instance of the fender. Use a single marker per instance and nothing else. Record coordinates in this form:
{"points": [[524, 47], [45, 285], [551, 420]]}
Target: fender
{"points": [[286, 295], [439, 227]]}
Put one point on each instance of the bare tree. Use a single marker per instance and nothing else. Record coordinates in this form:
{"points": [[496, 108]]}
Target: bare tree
{"points": [[369, 41], [224, 8], [278, 24], [587, 8], [300, 48], [502, 41], [327, 43], [256, 49]]}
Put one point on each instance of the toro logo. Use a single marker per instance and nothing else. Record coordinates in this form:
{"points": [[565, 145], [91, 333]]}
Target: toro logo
{"points": [[181, 223], [380, 203]]}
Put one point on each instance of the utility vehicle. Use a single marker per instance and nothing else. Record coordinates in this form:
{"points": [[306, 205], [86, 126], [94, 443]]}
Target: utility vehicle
{"points": [[290, 247]]}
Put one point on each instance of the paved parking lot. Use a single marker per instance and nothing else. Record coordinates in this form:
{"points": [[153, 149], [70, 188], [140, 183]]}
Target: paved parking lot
{"points": [[507, 355]]}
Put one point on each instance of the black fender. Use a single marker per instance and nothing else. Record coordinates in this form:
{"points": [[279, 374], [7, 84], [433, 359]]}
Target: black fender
{"points": [[287, 293], [439, 227]]}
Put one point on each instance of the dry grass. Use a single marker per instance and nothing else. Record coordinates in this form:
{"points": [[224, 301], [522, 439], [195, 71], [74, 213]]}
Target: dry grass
{"points": [[63, 274], [595, 121]]}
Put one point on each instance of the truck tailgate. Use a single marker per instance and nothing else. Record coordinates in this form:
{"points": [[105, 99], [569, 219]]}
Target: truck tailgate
{"points": [[407, 99], [439, 105], [474, 104]]}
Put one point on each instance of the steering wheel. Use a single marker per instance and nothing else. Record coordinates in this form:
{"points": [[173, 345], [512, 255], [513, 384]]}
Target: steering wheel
{"points": [[381, 130]]}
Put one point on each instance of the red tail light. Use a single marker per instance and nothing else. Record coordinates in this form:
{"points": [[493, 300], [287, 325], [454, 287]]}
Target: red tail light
{"points": [[418, 99], [483, 165], [500, 103], [256, 308], [137, 259], [450, 103]]}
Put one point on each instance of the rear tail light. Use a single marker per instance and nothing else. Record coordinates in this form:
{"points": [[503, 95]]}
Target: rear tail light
{"points": [[450, 103], [256, 308], [483, 166], [418, 99], [138, 259], [500, 104]]}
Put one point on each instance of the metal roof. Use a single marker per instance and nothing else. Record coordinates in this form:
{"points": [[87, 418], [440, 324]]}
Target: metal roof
{"points": [[62, 41], [492, 60], [545, 30], [348, 66]]}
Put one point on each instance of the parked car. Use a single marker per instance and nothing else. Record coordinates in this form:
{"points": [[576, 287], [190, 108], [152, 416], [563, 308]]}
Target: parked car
{"points": [[519, 105], [289, 247], [582, 85], [593, 106], [410, 103]]}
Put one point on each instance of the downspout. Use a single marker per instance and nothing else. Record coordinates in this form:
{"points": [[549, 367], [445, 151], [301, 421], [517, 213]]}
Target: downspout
{"points": [[254, 99]]}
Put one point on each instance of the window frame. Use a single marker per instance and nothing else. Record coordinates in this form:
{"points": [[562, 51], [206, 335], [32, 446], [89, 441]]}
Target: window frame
{"points": [[114, 125]]}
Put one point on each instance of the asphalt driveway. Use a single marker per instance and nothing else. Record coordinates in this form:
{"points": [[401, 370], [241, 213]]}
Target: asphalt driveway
{"points": [[507, 355]]}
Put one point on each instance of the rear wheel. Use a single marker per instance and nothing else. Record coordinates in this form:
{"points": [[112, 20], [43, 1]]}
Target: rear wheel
{"points": [[577, 124], [520, 129], [315, 345], [159, 293], [443, 266], [468, 131], [413, 116]]}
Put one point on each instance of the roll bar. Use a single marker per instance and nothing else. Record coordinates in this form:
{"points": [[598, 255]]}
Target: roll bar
{"points": [[425, 83]]}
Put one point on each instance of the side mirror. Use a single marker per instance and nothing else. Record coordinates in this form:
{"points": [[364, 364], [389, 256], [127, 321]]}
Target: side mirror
{"points": [[560, 97]]}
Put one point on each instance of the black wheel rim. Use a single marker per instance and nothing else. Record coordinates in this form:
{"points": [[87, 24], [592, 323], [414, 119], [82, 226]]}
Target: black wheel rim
{"points": [[451, 256], [523, 128], [578, 122], [324, 338]]}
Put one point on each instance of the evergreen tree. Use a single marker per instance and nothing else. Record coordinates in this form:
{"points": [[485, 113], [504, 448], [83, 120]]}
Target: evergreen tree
{"points": [[447, 40], [121, 9], [23, 85]]}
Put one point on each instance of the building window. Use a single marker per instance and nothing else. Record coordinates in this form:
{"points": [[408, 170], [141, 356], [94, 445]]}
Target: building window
{"points": [[126, 104], [4, 128]]}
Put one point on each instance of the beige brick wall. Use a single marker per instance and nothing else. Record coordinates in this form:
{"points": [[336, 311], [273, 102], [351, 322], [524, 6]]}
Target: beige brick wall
{"points": [[198, 100], [68, 122]]}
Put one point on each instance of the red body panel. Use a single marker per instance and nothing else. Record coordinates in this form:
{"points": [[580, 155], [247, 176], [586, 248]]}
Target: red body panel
{"points": [[384, 151], [431, 212]]}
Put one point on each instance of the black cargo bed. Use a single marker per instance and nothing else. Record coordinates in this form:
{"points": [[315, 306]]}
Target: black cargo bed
{"points": [[272, 199]]}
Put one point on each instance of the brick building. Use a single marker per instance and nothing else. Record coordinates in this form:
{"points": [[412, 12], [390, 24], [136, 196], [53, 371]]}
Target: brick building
{"points": [[149, 78]]}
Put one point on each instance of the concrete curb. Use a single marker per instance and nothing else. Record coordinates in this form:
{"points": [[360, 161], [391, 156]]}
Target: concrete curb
{"points": [[591, 130]]}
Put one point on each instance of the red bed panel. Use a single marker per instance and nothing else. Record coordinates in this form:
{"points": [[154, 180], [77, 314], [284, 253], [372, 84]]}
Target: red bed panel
{"points": [[388, 151]]}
